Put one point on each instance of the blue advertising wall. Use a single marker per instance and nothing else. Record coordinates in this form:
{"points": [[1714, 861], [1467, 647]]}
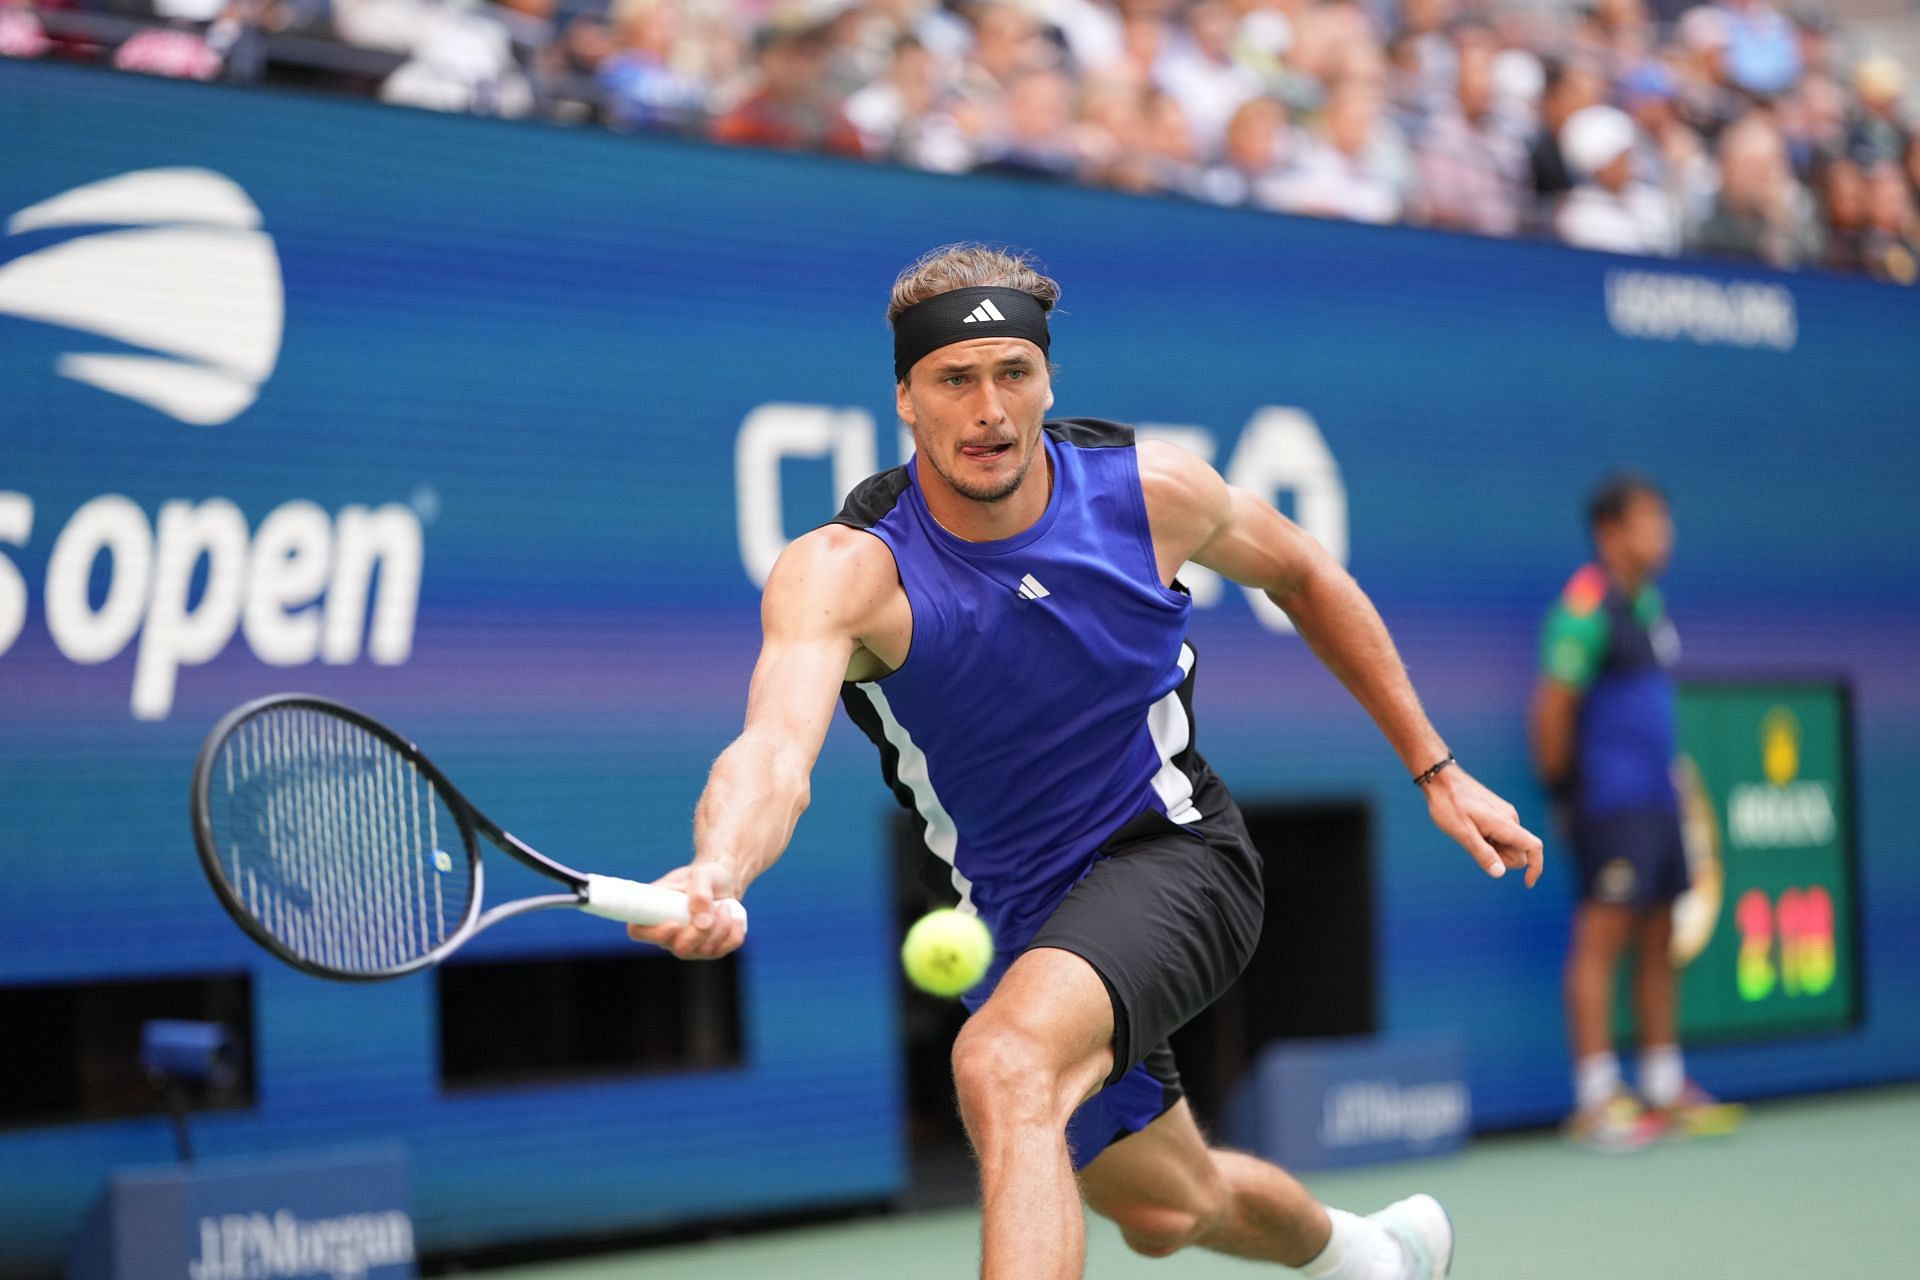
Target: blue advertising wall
{"points": [[510, 418]]}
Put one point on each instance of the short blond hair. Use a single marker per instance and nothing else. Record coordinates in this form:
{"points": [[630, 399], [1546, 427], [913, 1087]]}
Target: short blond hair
{"points": [[969, 265]]}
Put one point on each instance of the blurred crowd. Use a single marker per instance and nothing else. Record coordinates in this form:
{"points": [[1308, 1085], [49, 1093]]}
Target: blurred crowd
{"points": [[1736, 128]]}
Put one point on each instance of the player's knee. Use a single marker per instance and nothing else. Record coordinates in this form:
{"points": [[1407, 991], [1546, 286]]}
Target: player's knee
{"points": [[1159, 1231], [1003, 1073]]}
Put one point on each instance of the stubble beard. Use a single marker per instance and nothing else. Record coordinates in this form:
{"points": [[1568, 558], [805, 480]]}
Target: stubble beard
{"points": [[989, 494]]}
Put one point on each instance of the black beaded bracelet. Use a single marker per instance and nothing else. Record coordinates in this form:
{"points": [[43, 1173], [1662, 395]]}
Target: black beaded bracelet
{"points": [[1434, 772]]}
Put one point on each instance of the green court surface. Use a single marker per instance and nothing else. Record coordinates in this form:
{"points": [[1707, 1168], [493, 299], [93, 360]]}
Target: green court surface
{"points": [[1811, 1189]]}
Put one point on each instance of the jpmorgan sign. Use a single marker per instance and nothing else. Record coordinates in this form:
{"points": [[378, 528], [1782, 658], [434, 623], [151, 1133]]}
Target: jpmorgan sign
{"points": [[340, 1215], [284, 1246]]}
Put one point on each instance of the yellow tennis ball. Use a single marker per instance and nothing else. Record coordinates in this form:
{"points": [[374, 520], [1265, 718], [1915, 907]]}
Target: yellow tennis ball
{"points": [[946, 952]]}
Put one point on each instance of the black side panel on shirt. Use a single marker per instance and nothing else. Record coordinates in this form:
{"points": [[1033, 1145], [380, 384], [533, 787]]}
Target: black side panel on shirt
{"points": [[1090, 433], [861, 711], [872, 499]]}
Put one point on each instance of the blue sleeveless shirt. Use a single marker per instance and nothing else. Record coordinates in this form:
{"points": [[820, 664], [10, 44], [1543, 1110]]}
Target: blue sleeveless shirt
{"points": [[1045, 699]]}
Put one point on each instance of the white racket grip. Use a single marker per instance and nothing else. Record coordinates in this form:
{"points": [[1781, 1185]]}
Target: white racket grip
{"points": [[631, 902]]}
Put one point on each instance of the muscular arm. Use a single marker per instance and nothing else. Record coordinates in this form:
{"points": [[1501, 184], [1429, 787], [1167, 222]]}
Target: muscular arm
{"points": [[827, 594], [1195, 515]]}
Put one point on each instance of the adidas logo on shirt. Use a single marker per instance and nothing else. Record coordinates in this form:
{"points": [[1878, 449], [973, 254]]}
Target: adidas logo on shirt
{"points": [[983, 314], [1030, 589]]}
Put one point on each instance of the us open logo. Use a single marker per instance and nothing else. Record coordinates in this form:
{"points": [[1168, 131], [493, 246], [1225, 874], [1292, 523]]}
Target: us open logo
{"points": [[172, 292], [171, 262]]}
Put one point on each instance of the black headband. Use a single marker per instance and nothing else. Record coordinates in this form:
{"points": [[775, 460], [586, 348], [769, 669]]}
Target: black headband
{"points": [[960, 314]]}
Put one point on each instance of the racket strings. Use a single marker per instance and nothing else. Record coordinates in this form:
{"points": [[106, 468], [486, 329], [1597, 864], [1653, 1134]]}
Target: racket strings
{"points": [[332, 840]]}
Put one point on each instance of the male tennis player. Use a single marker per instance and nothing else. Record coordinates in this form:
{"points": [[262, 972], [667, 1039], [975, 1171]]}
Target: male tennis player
{"points": [[1000, 615]]}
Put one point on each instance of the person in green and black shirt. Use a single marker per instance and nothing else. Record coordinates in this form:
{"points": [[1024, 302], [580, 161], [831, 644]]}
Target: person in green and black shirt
{"points": [[1604, 740]]}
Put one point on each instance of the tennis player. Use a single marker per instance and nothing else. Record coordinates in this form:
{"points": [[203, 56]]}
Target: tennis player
{"points": [[1001, 616]]}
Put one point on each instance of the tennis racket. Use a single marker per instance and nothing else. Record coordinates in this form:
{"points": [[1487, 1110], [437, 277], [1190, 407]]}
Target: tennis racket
{"points": [[338, 846]]}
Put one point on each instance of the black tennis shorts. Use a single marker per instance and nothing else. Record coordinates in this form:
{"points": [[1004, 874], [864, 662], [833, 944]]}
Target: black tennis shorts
{"points": [[1637, 858], [1168, 916]]}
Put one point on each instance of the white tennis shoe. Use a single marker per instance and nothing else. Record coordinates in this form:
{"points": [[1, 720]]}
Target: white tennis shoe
{"points": [[1424, 1230]]}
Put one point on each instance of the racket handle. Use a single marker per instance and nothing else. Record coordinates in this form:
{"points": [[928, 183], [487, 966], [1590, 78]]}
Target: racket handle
{"points": [[631, 902]]}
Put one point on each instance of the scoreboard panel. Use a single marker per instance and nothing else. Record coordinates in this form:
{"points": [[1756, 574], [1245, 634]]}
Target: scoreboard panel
{"points": [[1769, 931]]}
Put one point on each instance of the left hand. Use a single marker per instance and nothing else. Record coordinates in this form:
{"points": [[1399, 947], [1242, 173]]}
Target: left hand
{"points": [[1485, 825]]}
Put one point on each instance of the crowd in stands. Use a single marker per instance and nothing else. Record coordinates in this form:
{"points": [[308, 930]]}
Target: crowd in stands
{"points": [[1641, 126]]}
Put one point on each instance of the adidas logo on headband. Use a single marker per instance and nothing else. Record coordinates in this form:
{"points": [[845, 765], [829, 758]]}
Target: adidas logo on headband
{"points": [[943, 319]]}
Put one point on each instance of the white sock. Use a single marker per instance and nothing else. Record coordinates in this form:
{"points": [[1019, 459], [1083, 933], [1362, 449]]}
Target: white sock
{"points": [[1596, 1078], [1359, 1249], [1663, 1075]]}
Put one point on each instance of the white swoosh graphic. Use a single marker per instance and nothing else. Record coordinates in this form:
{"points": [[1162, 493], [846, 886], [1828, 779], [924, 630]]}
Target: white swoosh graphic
{"points": [[193, 278]]}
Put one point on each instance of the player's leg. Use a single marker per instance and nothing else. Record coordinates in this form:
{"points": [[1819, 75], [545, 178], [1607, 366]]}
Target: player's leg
{"points": [[1601, 932], [1663, 1075], [1166, 1189], [1038, 1048], [1605, 1115], [1655, 982]]}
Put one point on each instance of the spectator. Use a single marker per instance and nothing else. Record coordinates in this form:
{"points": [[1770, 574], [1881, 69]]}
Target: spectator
{"points": [[1667, 154], [1254, 153], [462, 60], [944, 33], [1038, 141], [1842, 191], [1617, 35], [1609, 210], [1326, 33], [1428, 52], [1760, 212], [1518, 81], [1891, 245], [904, 117], [1185, 96], [1089, 28], [786, 105], [1110, 133], [1814, 119], [1878, 133], [1762, 50], [1570, 87], [642, 89], [1814, 27], [1202, 75], [1706, 99], [1471, 169], [176, 50], [1143, 42], [21, 34], [859, 45], [1353, 167], [1006, 43], [1174, 160]]}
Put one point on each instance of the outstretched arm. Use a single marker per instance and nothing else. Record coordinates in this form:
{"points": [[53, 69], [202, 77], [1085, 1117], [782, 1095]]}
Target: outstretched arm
{"points": [[1197, 516], [820, 599]]}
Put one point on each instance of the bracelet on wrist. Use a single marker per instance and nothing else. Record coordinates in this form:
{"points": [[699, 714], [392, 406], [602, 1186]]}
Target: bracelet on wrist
{"points": [[1433, 771]]}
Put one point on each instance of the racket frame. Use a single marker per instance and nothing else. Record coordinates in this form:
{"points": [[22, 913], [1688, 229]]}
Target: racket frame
{"points": [[471, 821]]}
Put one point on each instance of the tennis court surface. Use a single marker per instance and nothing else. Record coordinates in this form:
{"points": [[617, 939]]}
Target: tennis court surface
{"points": [[1812, 1187]]}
